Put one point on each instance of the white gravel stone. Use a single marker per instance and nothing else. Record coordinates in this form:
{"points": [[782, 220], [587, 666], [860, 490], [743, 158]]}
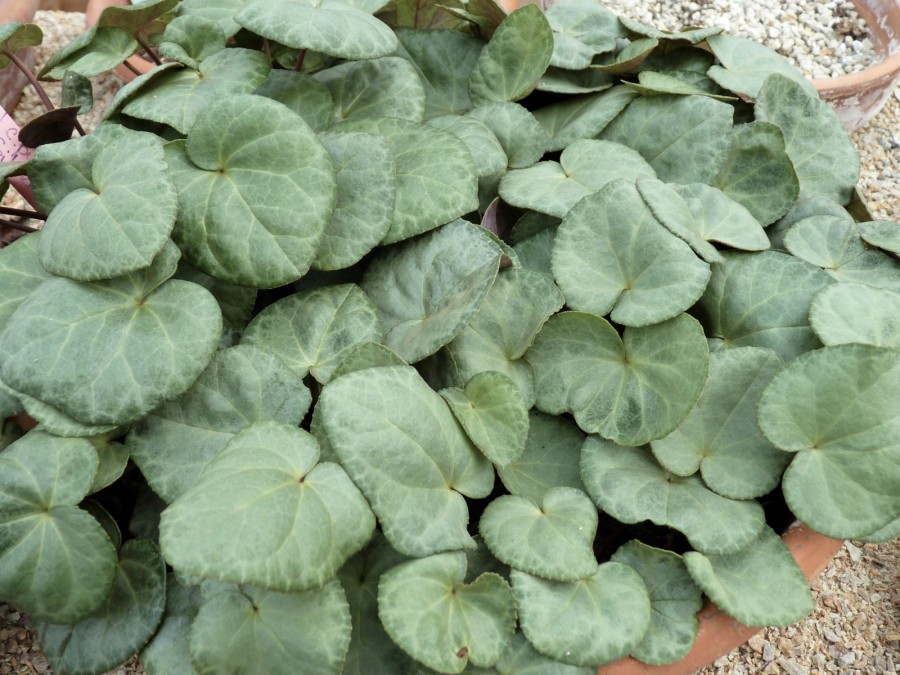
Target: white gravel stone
{"points": [[807, 32]]}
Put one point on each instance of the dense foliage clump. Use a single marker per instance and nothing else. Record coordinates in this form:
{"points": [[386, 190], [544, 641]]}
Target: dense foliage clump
{"points": [[374, 337]]}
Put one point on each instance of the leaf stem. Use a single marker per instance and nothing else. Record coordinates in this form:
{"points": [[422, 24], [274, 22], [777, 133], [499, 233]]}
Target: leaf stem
{"points": [[22, 213], [130, 67], [147, 48], [300, 56], [17, 226], [31, 78], [267, 48]]}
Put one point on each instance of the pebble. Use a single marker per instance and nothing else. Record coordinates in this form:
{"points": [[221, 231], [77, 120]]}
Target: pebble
{"points": [[809, 33]]}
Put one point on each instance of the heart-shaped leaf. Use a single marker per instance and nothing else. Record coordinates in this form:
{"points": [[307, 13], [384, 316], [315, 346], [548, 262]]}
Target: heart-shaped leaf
{"points": [[550, 459], [629, 60], [747, 64], [384, 87], [121, 625], [446, 89], [465, 622], [699, 213], [835, 245], [168, 653], [692, 35], [365, 200], [177, 96], [552, 538], [56, 562], [191, 39], [522, 138], [233, 226], [580, 117], [401, 437], [611, 256], [367, 355], [733, 581], [301, 93], [54, 126], [514, 59], [684, 138], [581, 29], [652, 83], [254, 630], [242, 385], [762, 300], [584, 168], [515, 308], [758, 174], [95, 51], [113, 458], [142, 20], [119, 223], [493, 413], [220, 11], [844, 313], [265, 512], [436, 177], [562, 81], [822, 153], [720, 437], [479, 139], [20, 273], [312, 331], [588, 622], [50, 349], [837, 408], [428, 288], [881, 233], [674, 602], [523, 659], [628, 484], [15, 36], [333, 27], [371, 650], [631, 389]]}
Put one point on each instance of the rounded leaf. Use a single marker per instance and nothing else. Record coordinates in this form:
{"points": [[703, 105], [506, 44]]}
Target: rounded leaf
{"points": [[383, 87], [265, 512], [760, 585], [674, 602], [720, 437], [168, 652], [241, 385], [632, 389], [121, 222], [56, 562], [441, 621], [333, 27], [550, 459], [843, 313], [365, 199], [762, 300], [684, 138], [492, 412], [514, 59], [20, 273], [628, 484], [254, 630], [428, 288], [157, 337], [611, 256], [838, 409], [232, 224], [400, 444], [553, 538], [123, 624], [312, 331], [588, 622]]}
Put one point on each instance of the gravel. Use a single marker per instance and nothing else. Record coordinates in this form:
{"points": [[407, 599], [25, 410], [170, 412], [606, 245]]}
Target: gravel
{"points": [[855, 628], [823, 39]]}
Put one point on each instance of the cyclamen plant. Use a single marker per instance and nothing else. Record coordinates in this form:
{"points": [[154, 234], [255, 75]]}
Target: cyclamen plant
{"points": [[416, 337]]}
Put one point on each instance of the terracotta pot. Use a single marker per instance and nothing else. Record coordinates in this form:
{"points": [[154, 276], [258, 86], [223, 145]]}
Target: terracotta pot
{"points": [[12, 81], [859, 96], [91, 13], [719, 633]]}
